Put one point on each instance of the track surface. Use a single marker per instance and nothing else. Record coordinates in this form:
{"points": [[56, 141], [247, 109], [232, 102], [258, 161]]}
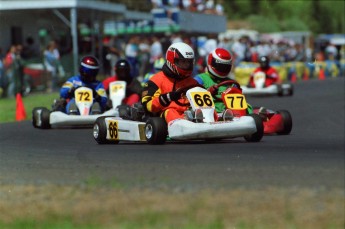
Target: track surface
{"points": [[312, 156]]}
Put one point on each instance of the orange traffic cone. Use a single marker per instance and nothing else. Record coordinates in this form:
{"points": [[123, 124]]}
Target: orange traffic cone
{"points": [[20, 109], [322, 74], [305, 75], [293, 78]]}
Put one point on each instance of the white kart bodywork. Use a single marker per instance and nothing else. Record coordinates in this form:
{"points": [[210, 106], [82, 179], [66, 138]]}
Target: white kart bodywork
{"points": [[84, 101], [115, 129], [260, 89]]}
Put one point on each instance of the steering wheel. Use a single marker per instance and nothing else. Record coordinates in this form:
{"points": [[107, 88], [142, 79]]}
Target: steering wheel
{"points": [[183, 90], [214, 89]]}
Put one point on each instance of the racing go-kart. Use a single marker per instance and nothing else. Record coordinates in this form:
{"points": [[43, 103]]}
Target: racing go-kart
{"points": [[44, 118], [274, 122], [259, 78], [201, 122]]}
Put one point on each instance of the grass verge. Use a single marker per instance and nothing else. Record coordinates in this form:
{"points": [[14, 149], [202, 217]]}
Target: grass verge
{"points": [[8, 105], [70, 207]]}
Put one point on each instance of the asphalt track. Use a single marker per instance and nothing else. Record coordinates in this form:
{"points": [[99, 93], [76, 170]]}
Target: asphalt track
{"points": [[312, 156]]}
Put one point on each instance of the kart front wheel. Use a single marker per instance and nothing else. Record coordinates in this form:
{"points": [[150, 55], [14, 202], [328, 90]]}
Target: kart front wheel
{"points": [[156, 131], [287, 122], [41, 117], [99, 131], [257, 136]]}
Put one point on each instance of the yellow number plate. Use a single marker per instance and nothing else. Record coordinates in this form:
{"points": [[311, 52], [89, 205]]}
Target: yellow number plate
{"points": [[202, 99], [83, 96], [236, 101], [113, 128], [116, 87]]}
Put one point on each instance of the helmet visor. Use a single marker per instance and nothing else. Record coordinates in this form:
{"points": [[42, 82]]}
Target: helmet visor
{"points": [[184, 63], [223, 68]]}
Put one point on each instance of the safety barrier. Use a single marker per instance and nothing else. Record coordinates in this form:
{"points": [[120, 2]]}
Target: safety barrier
{"points": [[294, 71]]}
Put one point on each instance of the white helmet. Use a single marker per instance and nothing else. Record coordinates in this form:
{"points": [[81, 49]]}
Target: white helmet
{"points": [[219, 62], [180, 59]]}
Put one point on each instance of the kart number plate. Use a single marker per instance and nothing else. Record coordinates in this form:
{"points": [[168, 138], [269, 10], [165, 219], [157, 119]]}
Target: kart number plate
{"points": [[116, 87], [236, 101], [202, 99], [113, 129], [84, 96]]}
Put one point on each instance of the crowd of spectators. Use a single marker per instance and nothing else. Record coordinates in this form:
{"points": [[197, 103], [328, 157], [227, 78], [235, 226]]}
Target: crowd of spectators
{"points": [[200, 6], [142, 50]]}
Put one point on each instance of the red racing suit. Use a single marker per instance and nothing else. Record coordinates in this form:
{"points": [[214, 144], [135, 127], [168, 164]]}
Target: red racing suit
{"points": [[159, 84], [271, 73]]}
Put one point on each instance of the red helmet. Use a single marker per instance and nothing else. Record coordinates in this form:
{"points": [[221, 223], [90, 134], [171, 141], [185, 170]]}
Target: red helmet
{"points": [[219, 62], [180, 59], [88, 68]]}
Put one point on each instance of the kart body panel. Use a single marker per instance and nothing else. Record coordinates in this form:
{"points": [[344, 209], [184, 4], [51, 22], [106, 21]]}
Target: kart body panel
{"points": [[115, 129], [275, 122], [274, 89], [182, 129], [60, 119]]}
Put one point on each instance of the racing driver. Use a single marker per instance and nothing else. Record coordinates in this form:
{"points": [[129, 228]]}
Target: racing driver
{"points": [[88, 70], [219, 64], [162, 93], [271, 73]]}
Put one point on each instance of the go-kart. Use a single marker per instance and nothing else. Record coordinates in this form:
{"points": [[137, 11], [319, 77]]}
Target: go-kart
{"points": [[260, 88], [201, 122], [274, 122], [44, 118]]}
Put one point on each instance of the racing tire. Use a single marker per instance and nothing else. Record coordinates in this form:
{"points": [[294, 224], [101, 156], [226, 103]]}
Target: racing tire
{"points": [[287, 122], [41, 117], [156, 131], [257, 136], [290, 90], [99, 131], [36, 116], [45, 117], [280, 90]]}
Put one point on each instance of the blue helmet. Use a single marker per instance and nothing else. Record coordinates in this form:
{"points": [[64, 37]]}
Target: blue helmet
{"points": [[88, 68]]}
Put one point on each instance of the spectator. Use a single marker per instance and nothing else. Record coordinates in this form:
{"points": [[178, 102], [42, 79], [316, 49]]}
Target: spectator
{"points": [[51, 62], [131, 53]]}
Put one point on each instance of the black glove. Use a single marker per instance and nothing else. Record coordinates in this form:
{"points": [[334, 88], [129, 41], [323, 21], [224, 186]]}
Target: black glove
{"points": [[165, 99], [71, 92], [96, 95], [213, 90]]}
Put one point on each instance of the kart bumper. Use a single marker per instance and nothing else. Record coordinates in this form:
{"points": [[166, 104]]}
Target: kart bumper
{"points": [[270, 90], [182, 129], [59, 119]]}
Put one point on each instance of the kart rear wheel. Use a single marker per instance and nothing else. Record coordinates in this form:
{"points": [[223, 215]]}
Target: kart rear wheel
{"points": [[156, 131], [45, 117], [280, 90], [36, 117], [41, 117], [287, 120], [99, 131], [257, 136], [290, 90]]}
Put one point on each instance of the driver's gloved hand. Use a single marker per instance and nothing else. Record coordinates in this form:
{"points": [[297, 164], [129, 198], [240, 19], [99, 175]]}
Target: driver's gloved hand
{"points": [[96, 95], [165, 99], [71, 92], [213, 90]]}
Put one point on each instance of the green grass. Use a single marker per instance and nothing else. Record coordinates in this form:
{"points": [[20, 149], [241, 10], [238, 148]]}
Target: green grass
{"points": [[8, 105]]}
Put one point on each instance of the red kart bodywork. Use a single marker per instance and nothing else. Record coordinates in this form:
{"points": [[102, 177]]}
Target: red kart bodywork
{"points": [[274, 122]]}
